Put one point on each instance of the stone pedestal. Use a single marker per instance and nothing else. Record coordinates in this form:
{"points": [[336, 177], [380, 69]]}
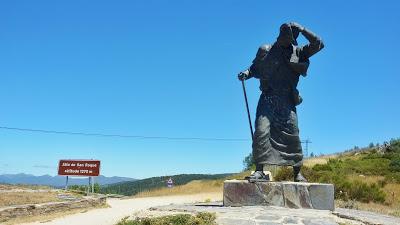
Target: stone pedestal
{"points": [[283, 194]]}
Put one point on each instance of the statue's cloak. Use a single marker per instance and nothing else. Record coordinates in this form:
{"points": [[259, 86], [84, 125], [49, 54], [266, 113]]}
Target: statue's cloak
{"points": [[276, 139]]}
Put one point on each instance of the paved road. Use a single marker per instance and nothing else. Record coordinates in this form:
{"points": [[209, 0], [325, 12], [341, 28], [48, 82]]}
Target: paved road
{"points": [[367, 217], [126, 207]]}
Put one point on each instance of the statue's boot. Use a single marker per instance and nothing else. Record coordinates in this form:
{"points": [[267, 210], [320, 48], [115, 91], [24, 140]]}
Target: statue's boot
{"points": [[298, 177], [258, 176]]}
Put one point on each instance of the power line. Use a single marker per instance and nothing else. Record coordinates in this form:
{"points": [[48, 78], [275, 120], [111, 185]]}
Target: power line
{"points": [[121, 135], [307, 141]]}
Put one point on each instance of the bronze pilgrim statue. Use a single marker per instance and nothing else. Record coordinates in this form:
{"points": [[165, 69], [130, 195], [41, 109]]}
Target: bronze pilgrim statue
{"points": [[278, 67]]}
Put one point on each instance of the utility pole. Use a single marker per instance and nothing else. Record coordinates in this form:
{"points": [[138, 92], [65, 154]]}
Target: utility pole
{"points": [[307, 141]]}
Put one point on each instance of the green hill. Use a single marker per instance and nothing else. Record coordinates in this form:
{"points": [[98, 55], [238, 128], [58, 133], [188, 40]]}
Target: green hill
{"points": [[366, 178], [134, 187]]}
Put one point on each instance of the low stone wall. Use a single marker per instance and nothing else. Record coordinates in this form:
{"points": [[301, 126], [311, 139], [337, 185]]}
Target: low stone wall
{"points": [[48, 208]]}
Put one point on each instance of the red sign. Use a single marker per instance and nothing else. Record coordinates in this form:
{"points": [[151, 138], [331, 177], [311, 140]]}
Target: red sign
{"points": [[86, 168]]}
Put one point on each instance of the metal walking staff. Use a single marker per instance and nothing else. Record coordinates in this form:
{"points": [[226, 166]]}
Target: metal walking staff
{"points": [[247, 107]]}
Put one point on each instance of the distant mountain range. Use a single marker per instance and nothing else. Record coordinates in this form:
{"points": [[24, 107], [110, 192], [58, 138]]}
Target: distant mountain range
{"points": [[57, 181]]}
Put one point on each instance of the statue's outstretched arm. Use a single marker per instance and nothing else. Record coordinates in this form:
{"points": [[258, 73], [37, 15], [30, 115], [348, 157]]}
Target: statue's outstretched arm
{"points": [[315, 44]]}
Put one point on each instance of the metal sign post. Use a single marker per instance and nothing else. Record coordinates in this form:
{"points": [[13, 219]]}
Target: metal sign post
{"points": [[66, 183], [92, 185], [88, 188], [83, 168]]}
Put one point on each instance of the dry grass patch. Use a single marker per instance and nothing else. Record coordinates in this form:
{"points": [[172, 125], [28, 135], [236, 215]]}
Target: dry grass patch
{"points": [[366, 179], [21, 198], [392, 194], [393, 210], [238, 176], [23, 187], [193, 187], [310, 162], [50, 217], [388, 209]]}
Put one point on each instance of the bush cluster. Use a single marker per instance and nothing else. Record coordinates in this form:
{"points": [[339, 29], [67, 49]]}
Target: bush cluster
{"points": [[84, 188], [346, 189], [394, 165], [367, 162], [202, 218], [335, 172]]}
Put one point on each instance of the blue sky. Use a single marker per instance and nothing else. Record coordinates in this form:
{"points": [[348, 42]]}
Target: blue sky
{"points": [[168, 68]]}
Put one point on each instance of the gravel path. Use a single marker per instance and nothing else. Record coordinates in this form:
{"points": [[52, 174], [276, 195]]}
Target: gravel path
{"points": [[121, 208]]}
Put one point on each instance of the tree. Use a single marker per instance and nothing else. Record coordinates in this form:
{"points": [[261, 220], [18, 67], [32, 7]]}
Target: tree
{"points": [[96, 188], [312, 155], [371, 145], [248, 161]]}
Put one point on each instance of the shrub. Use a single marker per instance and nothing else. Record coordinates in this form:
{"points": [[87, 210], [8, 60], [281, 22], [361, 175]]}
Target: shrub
{"points": [[353, 190], [382, 183], [286, 174], [365, 193], [84, 188], [394, 165], [202, 218], [322, 167], [393, 178]]}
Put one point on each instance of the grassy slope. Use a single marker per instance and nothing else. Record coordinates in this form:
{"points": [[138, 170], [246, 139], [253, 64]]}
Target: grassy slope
{"points": [[361, 170], [208, 186], [193, 187], [134, 187], [367, 179]]}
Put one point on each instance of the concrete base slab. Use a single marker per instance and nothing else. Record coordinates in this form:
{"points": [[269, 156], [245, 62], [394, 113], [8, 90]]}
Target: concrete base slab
{"points": [[283, 194], [251, 215]]}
